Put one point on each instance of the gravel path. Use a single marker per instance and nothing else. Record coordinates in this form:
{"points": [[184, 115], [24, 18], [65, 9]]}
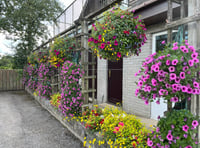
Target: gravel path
{"points": [[25, 124]]}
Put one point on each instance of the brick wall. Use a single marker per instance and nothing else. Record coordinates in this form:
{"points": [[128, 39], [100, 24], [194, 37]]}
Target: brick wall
{"points": [[131, 65]]}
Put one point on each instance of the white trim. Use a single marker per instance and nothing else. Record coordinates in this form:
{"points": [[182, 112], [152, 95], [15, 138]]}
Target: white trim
{"points": [[154, 40]]}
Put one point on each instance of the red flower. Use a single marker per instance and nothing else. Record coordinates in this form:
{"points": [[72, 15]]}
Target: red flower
{"points": [[101, 122], [126, 32], [57, 53]]}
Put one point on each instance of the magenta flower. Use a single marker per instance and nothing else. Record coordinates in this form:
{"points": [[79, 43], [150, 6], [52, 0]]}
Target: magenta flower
{"points": [[140, 83], [154, 82], [182, 75], [90, 39], [168, 62], [115, 43], [163, 42], [122, 16], [196, 84], [195, 60], [174, 62], [185, 135], [175, 44], [171, 69], [99, 37], [195, 123], [172, 76], [114, 37], [169, 137], [172, 126], [185, 68], [156, 68], [119, 54], [191, 63], [174, 99], [149, 142], [188, 146], [95, 41], [185, 128], [175, 48], [102, 45], [194, 55], [57, 53]]}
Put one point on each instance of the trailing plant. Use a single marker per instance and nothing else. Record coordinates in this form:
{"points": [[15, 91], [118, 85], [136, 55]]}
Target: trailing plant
{"points": [[30, 77], [45, 72], [118, 34], [55, 100], [61, 51], [71, 97], [169, 74], [177, 129], [43, 56]]}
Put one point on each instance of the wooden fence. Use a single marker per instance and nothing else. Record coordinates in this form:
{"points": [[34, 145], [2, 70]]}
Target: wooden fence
{"points": [[10, 80]]}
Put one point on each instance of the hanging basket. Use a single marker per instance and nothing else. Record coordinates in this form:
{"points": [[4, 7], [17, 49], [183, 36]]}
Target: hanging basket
{"points": [[119, 34], [169, 74]]}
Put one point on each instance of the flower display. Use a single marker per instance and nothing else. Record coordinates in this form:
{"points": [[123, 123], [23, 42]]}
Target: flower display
{"points": [[33, 59], [179, 130], [61, 51], [169, 74], [30, 77], [119, 34], [45, 72], [71, 97], [43, 56], [122, 129], [95, 119]]}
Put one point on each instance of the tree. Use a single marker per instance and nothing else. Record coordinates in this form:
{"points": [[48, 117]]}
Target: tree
{"points": [[26, 20], [6, 62]]}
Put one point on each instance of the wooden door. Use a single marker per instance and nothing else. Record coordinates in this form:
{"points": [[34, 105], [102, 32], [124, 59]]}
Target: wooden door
{"points": [[115, 81]]}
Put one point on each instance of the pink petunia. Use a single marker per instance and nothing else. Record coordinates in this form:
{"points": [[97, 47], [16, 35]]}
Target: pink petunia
{"points": [[149, 142], [163, 42], [172, 76], [194, 55], [182, 75], [191, 63], [174, 62], [169, 137], [171, 69], [195, 123], [185, 128], [119, 54], [115, 43]]}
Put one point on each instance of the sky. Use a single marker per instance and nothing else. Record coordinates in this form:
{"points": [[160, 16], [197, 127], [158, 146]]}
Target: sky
{"points": [[5, 44]]}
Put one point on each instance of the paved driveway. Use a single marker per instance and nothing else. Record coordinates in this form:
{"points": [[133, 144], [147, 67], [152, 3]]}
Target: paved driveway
{"points": [[25, 124]]}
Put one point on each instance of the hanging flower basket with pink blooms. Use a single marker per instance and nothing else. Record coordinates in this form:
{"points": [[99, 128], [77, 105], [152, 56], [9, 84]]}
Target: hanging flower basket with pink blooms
{"points": [[119, 34], [170, 74]]}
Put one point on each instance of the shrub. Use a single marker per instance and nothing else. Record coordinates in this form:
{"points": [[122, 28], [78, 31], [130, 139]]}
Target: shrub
{"points": [[55, 100], [122, 129], [177, 129], [94, 120], [119, 34], [169, 74], [71, 97]]}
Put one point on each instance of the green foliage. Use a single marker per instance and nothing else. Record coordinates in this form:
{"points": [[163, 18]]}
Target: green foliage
{"points": [[173, 124], [6, 62], [26, 20]]}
